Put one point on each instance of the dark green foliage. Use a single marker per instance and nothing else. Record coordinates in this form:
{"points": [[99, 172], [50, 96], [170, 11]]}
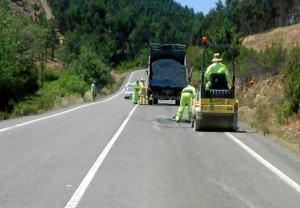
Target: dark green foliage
{"points": [[71, 84], [20, 44], [274, 58], [252, 64], [70, 50], [193, 57], [50, 75], [253, 16], [119, 30], [248, 66], [284, 110], [89, 67], [291, 73], [46, 98], [4, 4]]}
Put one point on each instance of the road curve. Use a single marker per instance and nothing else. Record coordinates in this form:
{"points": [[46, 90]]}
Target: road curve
{"points": [[112, 153]]}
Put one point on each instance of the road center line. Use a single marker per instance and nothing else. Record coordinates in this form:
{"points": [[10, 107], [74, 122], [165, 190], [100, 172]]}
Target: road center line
{"points": [[272, 168], [75, 199]]}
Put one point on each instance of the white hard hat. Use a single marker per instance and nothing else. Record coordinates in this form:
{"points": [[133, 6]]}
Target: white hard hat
{"points": [[142, 79]]}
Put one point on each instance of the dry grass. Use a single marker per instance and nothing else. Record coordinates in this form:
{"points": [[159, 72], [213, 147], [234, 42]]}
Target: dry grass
{"points": [[289, 36], [258, 109], [258, 99]]}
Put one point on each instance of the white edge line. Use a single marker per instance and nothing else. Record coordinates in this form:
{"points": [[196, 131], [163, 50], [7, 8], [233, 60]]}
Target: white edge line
{"points": [[65, 112], [272, 168], [75, 199]]}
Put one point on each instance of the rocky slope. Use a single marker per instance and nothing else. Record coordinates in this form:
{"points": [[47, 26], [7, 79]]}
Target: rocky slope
{"points": [[260, 94]]}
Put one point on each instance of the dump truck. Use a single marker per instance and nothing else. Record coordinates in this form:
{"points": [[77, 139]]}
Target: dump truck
{"points": [[167, 74], [216, 108]]}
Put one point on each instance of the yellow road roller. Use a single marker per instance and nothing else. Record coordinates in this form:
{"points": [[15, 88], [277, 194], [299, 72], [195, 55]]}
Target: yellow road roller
{"points": [[215, 106]]}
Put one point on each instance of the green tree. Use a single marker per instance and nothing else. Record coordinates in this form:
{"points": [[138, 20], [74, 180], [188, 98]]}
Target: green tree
{"points": [[20, 46], [89, 67]]}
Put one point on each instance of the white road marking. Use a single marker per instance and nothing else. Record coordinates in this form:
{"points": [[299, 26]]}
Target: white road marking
{"points": [[231, 190], [57, 114], [272, 168], [64, 112], [75, 199]]}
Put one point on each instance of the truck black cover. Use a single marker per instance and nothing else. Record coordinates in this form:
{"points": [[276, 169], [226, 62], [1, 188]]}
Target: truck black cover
{"points": [[167, 72]]}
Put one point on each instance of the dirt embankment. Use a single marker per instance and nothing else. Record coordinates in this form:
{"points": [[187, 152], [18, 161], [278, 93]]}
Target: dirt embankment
{"points": [[258, 96], [289, 36], [29, 8]]}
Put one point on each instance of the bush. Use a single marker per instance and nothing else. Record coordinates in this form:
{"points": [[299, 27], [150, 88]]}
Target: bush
{"points": [[263, 113], [194, 57], [50, 76], [291, 73], [126, 66], [71, 84], [273, 58], [50, 96], [247, 66], [142, 58], [90, 67], [284, 110], [28, 107], [4, 115], [21, 43]]}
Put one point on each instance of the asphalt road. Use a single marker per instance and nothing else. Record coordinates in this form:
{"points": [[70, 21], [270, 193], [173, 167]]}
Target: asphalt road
{"points": [[112, 153]]}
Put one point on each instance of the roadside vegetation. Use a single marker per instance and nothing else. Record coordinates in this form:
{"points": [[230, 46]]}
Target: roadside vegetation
{"points": [[269, 91], [102, 40]]}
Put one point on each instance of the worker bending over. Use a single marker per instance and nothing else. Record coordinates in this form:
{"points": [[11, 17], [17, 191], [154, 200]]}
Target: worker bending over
{"points": [[187, 94]]}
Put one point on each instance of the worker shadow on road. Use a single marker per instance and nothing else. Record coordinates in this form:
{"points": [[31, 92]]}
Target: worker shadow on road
{"points": [[163, 104], [239, 131], [171, 123], [244, 130]]}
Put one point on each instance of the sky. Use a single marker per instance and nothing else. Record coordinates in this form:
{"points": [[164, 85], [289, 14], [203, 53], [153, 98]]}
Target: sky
{"points": [[199, 5]]}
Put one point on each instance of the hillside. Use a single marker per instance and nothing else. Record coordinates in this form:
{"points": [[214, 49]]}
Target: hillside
{"points": [[26, 7], [289, 36], [31, 8], [259, 94]]}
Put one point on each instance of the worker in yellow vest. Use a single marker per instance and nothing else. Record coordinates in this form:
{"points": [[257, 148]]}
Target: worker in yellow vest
{"points": [[142, 92], [135, 94], [187, 94], [216, 67]]}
